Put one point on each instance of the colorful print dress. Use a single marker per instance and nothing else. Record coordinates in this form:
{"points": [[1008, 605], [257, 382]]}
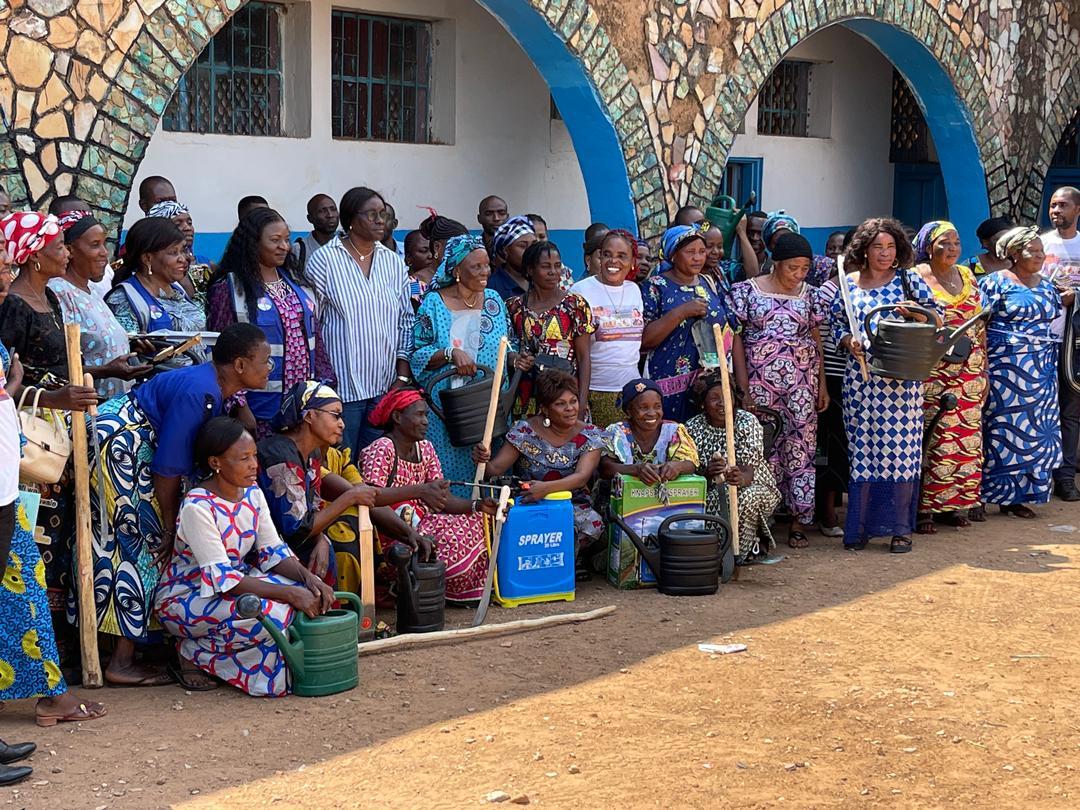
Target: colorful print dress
{"points": [[552, 332], [758, 499], [673, 444], [434, 331], [952, 475], [674, 364], [459, 539], [214, 538], [884, 422], [1021, 420], [783, 361]]}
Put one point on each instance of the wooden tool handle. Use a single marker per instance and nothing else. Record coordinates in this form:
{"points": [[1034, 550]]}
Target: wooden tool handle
{"points": [[493, 409], [729, 434], [84, 539], [366, 547], [88, 381]]}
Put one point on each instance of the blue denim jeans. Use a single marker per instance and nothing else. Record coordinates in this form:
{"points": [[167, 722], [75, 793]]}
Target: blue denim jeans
{"points": [[358, 431]]}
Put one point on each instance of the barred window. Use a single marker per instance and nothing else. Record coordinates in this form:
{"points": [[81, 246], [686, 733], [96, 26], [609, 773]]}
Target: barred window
{"points": [[380, 73], [784, 101], [235, 86], [909, 137]]}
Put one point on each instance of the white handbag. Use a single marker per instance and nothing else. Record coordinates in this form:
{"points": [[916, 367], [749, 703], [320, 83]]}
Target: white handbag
{"points": [[48, 444]]}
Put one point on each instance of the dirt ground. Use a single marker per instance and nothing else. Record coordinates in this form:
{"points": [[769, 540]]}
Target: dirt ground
{"points": [[944, 677]]}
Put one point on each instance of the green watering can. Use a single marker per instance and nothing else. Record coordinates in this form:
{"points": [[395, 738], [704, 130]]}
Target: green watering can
{"points": [[322, 652], [723, 214]]}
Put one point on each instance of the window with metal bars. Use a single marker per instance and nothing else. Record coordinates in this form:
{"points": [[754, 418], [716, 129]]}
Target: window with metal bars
{"points": [[380, 73], [909, 136], [784, 101], [235, 86], [1068, 151]]}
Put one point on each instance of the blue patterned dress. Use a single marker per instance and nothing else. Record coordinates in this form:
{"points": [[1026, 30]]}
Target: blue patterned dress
{"points": [[883, 419], [674, 364], [436, 328], [214, 538], [1021, 423]]}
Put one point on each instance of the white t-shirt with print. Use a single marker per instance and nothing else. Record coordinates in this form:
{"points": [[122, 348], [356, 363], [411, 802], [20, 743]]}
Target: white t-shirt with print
{"points": [[618, 314], [1062, 260]]}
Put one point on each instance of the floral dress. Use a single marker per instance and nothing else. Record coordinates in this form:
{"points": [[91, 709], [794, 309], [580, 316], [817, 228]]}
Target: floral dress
{"points": [[542, 461], [675, 364], [758, 499], [952, 477], [459, 539], [783, 360], [219, 543], [552, 332], [102, 337], [673, 444]]}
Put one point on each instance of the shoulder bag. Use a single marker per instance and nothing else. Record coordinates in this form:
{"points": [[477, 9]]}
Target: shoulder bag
{"points": [[48, 444]]}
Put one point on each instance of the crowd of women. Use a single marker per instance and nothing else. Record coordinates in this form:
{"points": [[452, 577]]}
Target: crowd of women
{"points": [[242, 468]]}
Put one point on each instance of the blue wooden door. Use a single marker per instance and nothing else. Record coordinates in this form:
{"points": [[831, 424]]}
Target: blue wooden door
{"points": [[919, 194]]}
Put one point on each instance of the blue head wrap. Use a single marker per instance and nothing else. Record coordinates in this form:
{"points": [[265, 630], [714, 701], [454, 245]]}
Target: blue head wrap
{"points": [[777, 220], [928, 234], [509, 232], [457, 248], [673, 239], [635, 388]]}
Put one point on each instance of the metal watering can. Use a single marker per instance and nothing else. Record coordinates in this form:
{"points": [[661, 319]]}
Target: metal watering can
{"points": [[723, 214], [688, 561], [421, 596], [464, 409], [322, 653], [909, 350]]}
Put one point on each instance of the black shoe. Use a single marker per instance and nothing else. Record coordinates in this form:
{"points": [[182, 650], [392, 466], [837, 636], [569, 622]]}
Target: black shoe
{"points": [[1067, 491], [10, 775], [13, 753]]}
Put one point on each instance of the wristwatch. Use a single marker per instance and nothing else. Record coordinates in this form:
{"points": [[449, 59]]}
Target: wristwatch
{"points": [[403, 379]]}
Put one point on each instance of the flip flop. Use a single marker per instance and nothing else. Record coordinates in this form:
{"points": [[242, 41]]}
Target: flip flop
{"points": [[798, 540], [85, 711], [181, 677], [900, 545], [977, 514], [159, 679], [1018, 510], [925, 524]]}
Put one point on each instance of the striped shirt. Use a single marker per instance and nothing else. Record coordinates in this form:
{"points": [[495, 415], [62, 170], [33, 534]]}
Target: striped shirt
{"points": [[358, 316], [835, 358]]}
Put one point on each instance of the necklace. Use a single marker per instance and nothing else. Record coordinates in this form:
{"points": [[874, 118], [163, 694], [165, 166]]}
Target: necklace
{"points": [[611, 300], [43, 300], [469, 304], [359, 255]]}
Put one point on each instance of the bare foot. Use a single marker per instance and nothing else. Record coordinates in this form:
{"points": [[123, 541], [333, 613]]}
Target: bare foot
{"points": [[136, 675]]}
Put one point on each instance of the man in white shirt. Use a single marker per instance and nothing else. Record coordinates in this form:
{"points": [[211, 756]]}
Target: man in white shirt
{"points": [[1062, 248]]}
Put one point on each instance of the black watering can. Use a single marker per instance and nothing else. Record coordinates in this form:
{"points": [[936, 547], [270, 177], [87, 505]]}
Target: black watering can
{"points": [[464, 409], [687, 561], [421, 598], [909, 350]]}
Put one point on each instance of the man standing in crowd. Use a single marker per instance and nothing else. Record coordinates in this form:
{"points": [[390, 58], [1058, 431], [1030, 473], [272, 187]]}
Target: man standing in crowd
{"points": [[492, 213], [322, 213], [250, 203], [1062, 249], [155, 189], [391, 226]]}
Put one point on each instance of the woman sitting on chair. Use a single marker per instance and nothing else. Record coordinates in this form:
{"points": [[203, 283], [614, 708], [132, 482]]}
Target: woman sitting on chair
{"points": [[647, 446]]}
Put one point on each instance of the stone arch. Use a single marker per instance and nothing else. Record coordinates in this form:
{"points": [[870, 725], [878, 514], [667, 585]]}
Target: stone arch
{"points": [[145, 46], [935, 63], [1064, 108]]}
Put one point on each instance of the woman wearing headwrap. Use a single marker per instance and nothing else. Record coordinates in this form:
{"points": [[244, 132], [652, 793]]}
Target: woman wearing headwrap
{"points": [[459, 324], [1021, 421], [104, 341], [647, 446], [883, 416], [822, 268], [197, 278], [508, 249], [406, 468], [674, 300], [758, 495], [777, 360], [550, 322], [258, 282], [952, 470]]}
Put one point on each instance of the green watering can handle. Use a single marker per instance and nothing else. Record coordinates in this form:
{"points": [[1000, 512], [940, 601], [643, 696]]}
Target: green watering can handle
{"points": [[727, 202], [301, 619]]}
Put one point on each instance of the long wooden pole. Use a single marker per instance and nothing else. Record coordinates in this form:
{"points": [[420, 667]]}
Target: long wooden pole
{"points": [[856, 332], [493, 410], [469, 633], [84, 539], [729, 434], [367, 573]]}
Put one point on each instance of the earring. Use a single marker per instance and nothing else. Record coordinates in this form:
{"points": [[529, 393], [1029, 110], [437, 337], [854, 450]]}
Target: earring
{"points": [[895, 264], [457, 279], [148, 269], [547, 422], [37, 266]]}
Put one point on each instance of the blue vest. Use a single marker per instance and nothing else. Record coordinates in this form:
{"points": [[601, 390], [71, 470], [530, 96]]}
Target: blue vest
{"points": [[151, 316], [264, 404]]}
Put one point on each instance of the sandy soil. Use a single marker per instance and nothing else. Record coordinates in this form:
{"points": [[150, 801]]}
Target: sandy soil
{"points": [[944, 677]]}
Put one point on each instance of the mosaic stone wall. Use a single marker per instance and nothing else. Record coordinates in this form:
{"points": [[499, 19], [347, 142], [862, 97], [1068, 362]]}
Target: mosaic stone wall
{"points": [[84, 82]]}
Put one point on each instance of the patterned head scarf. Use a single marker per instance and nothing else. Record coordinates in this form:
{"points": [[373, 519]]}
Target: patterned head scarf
{"points": [[928, 234], [391, 403], [76, 223], [674, 238], [777, 221], [457, 248], [167, 209], [298, 400], [509, 232], [1015, 240], [27, 232], [634, 389]]}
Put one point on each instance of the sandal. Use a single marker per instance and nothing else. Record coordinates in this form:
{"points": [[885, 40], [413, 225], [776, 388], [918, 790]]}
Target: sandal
{"points": [[85, 711], [977, 514], [899, 545], [165, 678], [958, 520], [925, 524], [182, 675], [1017, 510], [859, 546], [798, 540]]}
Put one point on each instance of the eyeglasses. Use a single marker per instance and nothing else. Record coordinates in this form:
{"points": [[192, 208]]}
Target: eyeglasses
{"points": [[339, 415], [375, 216]]}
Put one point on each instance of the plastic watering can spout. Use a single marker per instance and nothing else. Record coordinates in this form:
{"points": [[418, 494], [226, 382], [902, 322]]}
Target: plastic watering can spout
{"points": [[249, 606]]}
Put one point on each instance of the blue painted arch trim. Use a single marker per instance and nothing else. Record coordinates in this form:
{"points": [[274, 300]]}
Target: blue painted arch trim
{"points": [[596, 142], [947, 117]]}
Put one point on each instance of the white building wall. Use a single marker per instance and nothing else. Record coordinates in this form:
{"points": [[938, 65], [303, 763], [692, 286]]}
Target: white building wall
{"points": [[503, 139], [844, 177]]}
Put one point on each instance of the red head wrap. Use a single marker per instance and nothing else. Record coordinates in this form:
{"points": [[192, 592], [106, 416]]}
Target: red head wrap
{"points": [[397, 400], [27, 232]]}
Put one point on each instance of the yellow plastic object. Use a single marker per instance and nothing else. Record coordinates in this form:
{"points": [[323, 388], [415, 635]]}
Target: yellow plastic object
{"points": [[509, 602]]}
